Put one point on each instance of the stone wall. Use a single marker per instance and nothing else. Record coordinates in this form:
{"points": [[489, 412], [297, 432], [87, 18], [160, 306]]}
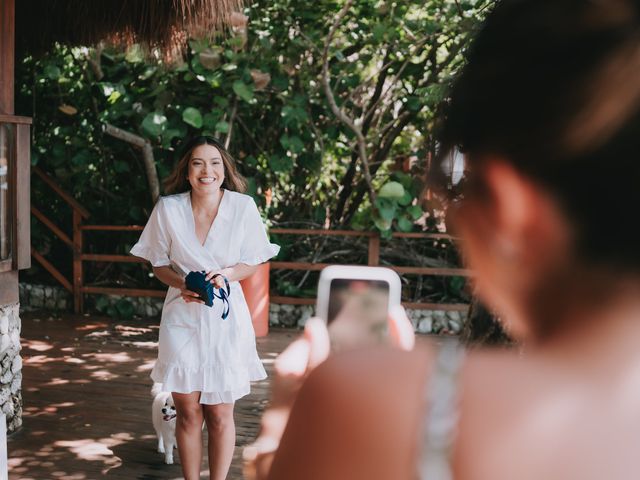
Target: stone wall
{"points": [[57, 298], [10, 366], [38, 297], [424, 321]]}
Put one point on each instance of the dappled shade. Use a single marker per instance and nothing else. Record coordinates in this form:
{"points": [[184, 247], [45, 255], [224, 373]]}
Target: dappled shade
{"points": [[87, 401]]}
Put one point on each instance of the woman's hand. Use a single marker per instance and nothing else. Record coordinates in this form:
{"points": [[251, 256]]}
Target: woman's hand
{"points": [[292, 366], [216, 278], [188, 296]]}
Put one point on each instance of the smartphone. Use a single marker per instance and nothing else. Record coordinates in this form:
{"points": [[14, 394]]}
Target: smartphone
{"points": [[355, 302]]}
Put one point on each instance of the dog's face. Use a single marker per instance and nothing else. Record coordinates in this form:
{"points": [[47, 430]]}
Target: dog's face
{"points": [[168, 410]]}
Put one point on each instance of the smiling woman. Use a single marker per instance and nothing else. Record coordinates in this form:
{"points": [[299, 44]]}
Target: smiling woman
{"points": [[206, 354], [178, 181]]}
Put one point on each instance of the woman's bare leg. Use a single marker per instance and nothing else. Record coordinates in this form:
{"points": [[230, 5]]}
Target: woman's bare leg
{"points": [[222, 438], [189, 433]]}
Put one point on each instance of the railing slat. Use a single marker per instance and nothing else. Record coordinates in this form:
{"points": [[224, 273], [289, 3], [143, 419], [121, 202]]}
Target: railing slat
{"points": [[114, 228], [78, 280], [462, 272], [51, 269], [52, 226], [64, 195], [456, 307], [331, 233], [99, 257], [16, 119]]}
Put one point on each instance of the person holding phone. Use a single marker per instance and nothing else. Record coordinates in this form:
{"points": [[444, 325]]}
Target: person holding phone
{"points": [[206, 353], [547, 113]]}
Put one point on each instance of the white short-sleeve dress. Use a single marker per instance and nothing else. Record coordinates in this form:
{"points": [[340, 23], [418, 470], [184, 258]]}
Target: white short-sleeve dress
{"points": [[198, 350]]}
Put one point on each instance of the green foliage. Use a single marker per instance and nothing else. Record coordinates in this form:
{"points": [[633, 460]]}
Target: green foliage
{"points": [[389, 63]]}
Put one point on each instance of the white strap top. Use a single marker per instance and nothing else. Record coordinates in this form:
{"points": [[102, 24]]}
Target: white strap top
{"points": [[442, 395]]}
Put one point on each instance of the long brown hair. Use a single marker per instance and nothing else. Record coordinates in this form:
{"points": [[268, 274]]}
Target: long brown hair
{"points": [[177, 182]]}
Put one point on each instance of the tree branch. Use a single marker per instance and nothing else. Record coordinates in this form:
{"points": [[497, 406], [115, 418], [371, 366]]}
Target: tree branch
{"points": [[147, 156], [362, 149], [234, 111]]}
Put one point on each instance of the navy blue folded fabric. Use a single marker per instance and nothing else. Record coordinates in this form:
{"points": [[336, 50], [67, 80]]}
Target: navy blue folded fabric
{"points": [[196, 282]]}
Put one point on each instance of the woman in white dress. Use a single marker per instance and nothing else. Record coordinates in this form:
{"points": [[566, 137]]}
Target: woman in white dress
{"points": [[205, 360]]}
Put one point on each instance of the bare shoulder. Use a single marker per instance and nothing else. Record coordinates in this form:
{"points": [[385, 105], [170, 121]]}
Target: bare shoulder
{"points": [[355, 417]]}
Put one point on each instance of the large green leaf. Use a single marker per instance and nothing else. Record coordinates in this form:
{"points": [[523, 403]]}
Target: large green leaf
{"points": [[154, 124], [415, 211], [386, 208], [52, 72], [292, 143], [280, 163], [192, 116], [391, 190], [244, 91], [222, 127], [404, 224]]}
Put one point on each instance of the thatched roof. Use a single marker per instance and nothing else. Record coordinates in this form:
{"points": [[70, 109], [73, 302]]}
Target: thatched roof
{"points": [[157, 23]]}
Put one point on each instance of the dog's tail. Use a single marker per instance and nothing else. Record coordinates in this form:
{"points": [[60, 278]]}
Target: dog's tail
{"points": [[156, 389]]}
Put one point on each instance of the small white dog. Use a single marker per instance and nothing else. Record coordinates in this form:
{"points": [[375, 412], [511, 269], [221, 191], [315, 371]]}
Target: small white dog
{"points": [[163, 413]]}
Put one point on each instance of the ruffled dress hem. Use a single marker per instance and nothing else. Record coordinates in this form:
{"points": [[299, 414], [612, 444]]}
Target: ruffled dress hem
{"points": [[217, 385]]}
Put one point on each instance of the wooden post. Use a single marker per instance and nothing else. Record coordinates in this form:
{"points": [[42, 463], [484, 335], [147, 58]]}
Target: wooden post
{"points": [[7, 46], [374, 250], [23, 196], [78, 304]]}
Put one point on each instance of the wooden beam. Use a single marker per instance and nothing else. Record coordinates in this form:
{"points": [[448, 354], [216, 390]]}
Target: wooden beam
{"points": [[449, 307], [462, 272], [299, 265], [52, 226], [114, 228], [357, 233], [425, 235], [455, 307], [15, 119], [99, 257], [291, 300], [446, 272], [331, 233], [51, 269], [56, 188]]}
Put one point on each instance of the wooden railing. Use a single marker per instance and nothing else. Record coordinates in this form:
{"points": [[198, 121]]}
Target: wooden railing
{"points": [[75, 242], [373, 259]]}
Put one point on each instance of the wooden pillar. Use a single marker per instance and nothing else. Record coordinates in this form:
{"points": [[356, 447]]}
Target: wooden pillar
{"points": [[8, 280], [78, 302], [7, 48]]}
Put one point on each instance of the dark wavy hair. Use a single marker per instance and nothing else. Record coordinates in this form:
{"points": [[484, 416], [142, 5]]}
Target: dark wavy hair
{"points": [[177, 181], [553, 86]]}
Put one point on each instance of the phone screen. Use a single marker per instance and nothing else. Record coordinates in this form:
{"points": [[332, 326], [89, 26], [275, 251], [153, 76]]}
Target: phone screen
{"points": [[357, 313]]}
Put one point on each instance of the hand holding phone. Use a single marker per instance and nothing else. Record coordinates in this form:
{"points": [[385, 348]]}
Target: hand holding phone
{"points": [[355, 303]]}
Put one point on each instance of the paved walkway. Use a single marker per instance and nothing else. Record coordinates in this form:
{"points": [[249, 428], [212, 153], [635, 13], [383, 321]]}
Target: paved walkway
{"points": [[87, 402]]}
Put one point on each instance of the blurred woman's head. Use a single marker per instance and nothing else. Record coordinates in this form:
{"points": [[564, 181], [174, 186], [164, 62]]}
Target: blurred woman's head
{"points": [[547, 112]]}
